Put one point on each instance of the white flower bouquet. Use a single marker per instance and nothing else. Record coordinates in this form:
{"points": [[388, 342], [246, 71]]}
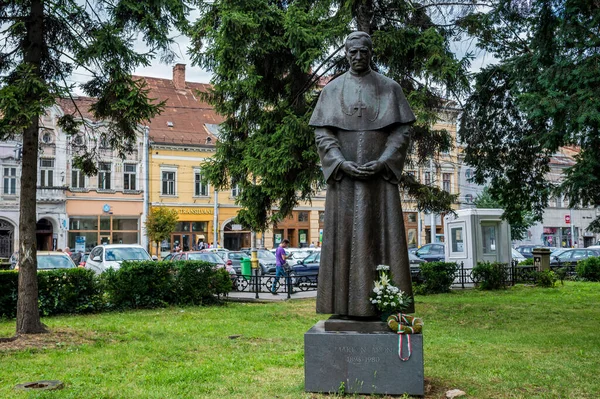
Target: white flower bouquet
{"points": [[386, 297]]}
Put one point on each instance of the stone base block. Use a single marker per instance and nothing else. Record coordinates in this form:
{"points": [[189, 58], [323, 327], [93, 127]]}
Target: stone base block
{"points": [[362, 363]]}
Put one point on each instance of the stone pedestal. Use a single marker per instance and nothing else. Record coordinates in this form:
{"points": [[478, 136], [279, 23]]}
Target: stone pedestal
{"points": [[361, 362]]}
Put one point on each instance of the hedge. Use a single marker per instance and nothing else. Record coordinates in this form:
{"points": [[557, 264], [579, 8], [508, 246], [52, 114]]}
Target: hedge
{"points": [[134, 285], [436, 277], [59, 291], [491, 276]]}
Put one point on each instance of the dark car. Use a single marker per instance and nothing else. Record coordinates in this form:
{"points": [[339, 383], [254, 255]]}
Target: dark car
{"points": [[306, 270], [431, 252], [527, 250], [570, 257], [415, 270]]}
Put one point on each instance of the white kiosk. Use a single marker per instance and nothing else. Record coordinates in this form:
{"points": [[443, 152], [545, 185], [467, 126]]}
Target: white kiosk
{"points": [[477, 235]]}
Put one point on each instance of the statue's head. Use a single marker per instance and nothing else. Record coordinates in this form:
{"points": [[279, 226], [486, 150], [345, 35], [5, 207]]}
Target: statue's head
{"points": [[358, 51]]}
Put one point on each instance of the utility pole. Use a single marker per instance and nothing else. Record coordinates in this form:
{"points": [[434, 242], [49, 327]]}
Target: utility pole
{"points": [[433, 225], [216, 219], [572, 228]]}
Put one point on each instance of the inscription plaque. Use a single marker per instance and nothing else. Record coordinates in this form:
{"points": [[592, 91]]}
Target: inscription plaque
{"points": [[363, 363]]}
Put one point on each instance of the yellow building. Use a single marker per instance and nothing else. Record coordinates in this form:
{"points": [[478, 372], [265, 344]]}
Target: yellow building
{"points": [[442, 172]]}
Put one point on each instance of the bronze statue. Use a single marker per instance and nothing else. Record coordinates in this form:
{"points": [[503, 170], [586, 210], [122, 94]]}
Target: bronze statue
{"points": [[362, 131]]}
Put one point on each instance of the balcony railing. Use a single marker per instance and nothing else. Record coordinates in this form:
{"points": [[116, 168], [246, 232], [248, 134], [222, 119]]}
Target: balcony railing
{"points": [[51, 194]]}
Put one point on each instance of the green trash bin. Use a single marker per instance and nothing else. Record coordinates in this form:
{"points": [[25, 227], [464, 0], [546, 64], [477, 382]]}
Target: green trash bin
{"points": [[246, 267]]}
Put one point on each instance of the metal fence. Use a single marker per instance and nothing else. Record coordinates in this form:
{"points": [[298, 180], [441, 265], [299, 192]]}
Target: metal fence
{"points": [[288, 285], [291, 284], [515, 274]]}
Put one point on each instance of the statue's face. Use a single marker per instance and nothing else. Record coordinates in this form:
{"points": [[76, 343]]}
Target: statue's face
{"points": [[358, 55]]}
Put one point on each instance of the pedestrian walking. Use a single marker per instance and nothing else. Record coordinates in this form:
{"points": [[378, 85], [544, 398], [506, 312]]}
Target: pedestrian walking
{"points": [[280, 262]]}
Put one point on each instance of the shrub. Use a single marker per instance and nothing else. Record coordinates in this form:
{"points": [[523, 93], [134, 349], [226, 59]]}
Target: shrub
{"points": [[147, 284], [59, 291], [490, 276], [545, 278], [589, 269], [68, 291], [527, 262], [437, 277], [9, 282], [194, 282]]}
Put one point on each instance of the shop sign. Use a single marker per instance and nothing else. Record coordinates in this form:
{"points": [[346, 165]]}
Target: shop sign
{"points": [[236, 227], [303, 238], [568, 219], [194, 211]]}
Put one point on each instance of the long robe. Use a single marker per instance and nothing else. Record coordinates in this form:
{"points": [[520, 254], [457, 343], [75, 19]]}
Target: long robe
{"points": [[361, 119]]}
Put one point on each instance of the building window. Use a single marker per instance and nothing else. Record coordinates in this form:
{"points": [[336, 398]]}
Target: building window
{"points": [[168, 183], [104, 141], [46, 172], [303, 216], [129, 176], [427, 178], [469, 174], [104, 171], [411, 217], [10, 181], [469, 198], [200, 186], [77, 178], [446, 181], [235, 190]]}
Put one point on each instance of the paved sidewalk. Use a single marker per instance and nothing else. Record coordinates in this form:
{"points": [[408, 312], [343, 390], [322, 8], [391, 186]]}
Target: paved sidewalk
{"points": [[245, 296]]}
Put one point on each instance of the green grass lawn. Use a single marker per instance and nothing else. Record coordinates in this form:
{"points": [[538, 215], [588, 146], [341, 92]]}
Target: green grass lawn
{"points": [[521, 343]]}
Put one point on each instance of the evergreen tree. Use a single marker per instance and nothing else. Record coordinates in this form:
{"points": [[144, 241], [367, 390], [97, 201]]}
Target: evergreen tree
{"points": [[540, 96], [42, 43], [267, 58]]}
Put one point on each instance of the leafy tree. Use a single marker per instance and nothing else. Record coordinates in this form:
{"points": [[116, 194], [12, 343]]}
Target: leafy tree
{"points": [[42, 43], [540, 96], [161, 222], [267, 58], [485, 200]]}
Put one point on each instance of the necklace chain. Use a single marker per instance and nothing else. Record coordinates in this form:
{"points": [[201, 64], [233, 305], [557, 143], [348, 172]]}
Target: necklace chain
{"points": [[359, 107]]}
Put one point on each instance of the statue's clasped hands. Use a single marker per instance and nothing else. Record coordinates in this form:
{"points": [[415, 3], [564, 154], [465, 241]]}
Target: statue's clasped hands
{"points": [[361, 171]]}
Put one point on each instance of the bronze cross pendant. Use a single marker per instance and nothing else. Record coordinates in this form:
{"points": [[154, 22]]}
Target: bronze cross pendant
{"points": [[359, 107]]}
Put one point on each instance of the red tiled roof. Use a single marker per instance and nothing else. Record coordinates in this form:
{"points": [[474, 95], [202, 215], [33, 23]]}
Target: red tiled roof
{"points": [[81, 107], [184, 110]]}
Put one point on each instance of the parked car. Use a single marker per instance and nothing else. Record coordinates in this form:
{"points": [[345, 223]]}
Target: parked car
{"points": [[209, 257], [526, 250], [305, 270], [234, 258], [415, 267], [50, 260], [84, 258], [104, 257], [516, 255], [266, 260], [169, 257], [571, 256], [432, 252], [219, 251]]}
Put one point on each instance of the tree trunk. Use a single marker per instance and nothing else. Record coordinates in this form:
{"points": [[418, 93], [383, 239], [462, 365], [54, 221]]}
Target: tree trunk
{"points": [[28, 315], [363, 12]]}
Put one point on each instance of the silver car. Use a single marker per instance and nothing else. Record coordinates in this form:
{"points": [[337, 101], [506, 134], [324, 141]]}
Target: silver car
{"points": [[112, 255]]}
